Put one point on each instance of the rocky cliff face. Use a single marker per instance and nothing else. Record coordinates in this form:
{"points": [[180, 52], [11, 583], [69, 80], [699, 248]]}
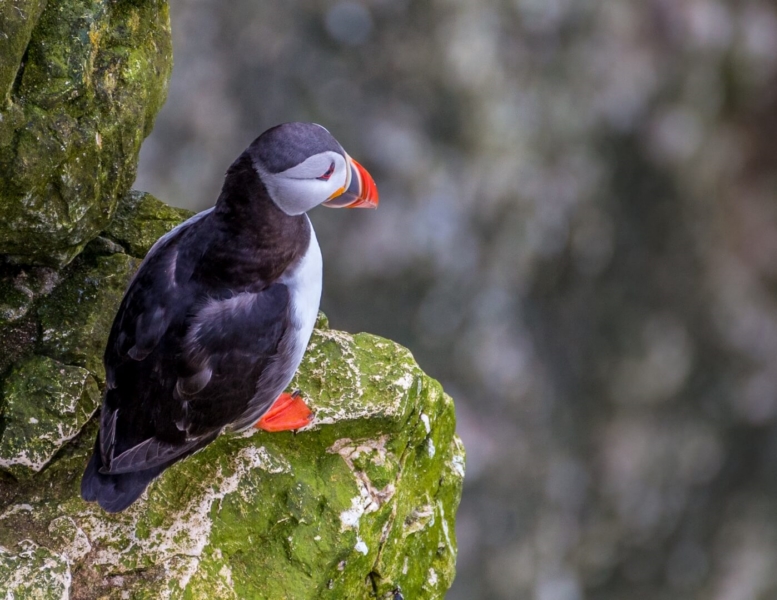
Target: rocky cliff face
{"points": [[81, 82], [359, 505]]}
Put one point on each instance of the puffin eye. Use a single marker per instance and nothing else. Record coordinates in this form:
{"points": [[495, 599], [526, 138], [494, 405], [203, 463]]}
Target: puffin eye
{"points": [[328, 174]]}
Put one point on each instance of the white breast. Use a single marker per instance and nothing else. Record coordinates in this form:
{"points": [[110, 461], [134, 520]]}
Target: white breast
{"points": [[304, 282]]}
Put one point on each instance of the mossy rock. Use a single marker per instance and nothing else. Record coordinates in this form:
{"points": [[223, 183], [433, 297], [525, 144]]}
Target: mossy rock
{"points": [[82, 81], [76, 319], [17, 21], [141, 219], [20, 289], [361, 504], [46, 403], [33, 573]]}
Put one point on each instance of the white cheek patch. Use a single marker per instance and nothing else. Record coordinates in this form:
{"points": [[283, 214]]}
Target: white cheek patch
{"points": [[313, 167], [299, 189]]}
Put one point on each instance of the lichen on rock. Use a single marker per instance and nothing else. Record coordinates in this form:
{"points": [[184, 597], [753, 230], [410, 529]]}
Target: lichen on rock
{"points": [[33, 573], [46, 404], [81, 81], [355, 506]]}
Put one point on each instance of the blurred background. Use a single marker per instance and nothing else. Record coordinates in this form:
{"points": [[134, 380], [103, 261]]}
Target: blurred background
{"points": [[577, 236]]}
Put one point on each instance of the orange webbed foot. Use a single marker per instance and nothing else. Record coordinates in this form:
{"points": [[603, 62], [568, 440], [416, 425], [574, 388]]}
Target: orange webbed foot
{"points": [[287, 413]]}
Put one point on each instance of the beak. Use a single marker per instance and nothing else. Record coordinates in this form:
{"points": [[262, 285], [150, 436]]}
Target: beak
{"points": [[361, 192]]}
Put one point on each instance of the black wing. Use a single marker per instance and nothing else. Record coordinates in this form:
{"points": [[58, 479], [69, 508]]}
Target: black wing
{"points": [[183, 362], [158, 298], [225, 362], [232, 358], [142, 347], [213, 369]]}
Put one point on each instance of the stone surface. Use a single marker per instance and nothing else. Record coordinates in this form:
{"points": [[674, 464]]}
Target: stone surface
{"points": [[141, 219], [46, 403], [33, 573], [76, 318], [17, 20], [82, 81], [358, 506], [21, 287]]}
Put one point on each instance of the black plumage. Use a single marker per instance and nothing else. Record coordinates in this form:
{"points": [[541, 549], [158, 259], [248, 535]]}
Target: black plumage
{"points": [[199, 340]]}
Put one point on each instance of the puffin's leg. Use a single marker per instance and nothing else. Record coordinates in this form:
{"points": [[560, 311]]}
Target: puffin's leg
{"points": [[288, 412]]}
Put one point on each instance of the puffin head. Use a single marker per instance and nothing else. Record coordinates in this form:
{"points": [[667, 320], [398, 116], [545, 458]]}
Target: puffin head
{"points": [[302, 166]]}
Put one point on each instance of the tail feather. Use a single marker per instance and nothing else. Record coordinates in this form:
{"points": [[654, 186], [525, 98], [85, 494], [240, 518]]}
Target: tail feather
{"points": [[114, 493]]}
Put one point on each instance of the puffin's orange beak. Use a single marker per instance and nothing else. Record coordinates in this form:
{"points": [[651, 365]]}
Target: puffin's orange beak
{"points": [[361, 193]]}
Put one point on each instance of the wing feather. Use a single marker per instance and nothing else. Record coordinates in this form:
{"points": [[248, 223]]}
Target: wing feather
{"points": [[147, 455], [107, 435], [230, 346]]}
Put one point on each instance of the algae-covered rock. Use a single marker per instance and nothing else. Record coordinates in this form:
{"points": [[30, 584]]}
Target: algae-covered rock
{"points": [[15, 300], [82, 81], [20, 288], [361, 504], [33, 573], [46, 405], [141, 219], [76, 318], [17, 20]]}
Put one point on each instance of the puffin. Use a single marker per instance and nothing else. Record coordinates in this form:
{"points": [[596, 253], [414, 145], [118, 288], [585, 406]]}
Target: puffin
{"points": [[216, 320]]}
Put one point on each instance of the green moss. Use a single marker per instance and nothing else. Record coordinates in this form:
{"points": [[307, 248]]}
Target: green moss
{"points": [[46, 404], [94, 77], [76, 318], [141, 219], [357, 506], [17, 20]]}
